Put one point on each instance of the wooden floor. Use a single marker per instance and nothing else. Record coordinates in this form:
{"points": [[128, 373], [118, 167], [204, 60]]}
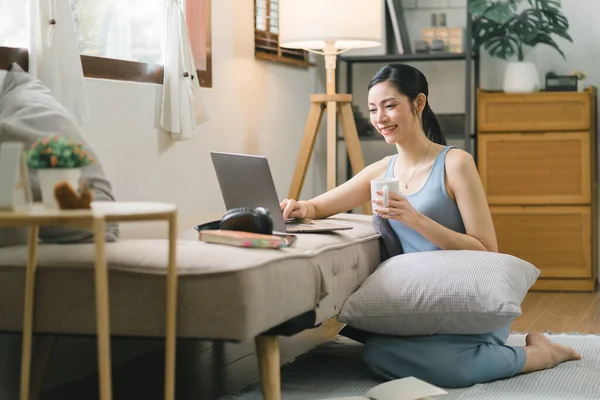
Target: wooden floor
{"points": [[141, 378], [559, 312]]}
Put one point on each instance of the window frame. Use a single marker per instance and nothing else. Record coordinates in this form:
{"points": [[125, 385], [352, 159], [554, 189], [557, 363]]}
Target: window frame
{"points": [[267, 35], [120, 70]]}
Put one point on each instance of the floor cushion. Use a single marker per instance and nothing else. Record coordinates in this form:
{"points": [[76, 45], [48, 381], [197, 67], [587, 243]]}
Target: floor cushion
{"points": [[441, 292]]}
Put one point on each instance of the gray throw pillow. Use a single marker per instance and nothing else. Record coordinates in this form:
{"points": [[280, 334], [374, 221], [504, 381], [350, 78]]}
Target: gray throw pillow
{"points": [[28, 112], [441, 292]]}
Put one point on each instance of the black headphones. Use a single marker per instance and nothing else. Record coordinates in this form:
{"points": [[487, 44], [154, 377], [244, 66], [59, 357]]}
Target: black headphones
{"points": [[257, 220]]}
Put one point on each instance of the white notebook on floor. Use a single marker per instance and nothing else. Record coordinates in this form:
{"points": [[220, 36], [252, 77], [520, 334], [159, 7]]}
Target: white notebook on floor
{"points": [[400, 389]]}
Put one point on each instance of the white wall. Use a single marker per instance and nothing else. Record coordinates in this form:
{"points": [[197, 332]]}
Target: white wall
{"points": [[255, 107]]}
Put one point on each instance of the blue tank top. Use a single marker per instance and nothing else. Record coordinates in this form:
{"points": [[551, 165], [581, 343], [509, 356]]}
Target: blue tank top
{"points": [[431, 200]]}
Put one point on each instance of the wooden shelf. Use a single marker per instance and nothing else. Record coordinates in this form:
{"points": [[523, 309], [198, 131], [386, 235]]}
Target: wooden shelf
{"points": [[441, 56]]}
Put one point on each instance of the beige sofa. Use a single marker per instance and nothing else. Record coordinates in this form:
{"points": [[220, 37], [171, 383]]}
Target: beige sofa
{"points": [[225, 293]]}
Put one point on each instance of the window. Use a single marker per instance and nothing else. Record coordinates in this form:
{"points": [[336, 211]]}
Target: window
{"points": [[118, 39], [266, 35], [13, 29], [119, 29]]}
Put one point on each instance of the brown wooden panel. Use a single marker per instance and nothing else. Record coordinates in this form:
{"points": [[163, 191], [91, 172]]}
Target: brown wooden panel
{"points": [[564, 285], [9, 55], [108, 68], [541, 111], [536, 168], [557, 240]]}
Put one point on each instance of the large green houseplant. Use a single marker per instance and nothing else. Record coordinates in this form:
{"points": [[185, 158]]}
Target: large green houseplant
{"points": [[508, 28]]}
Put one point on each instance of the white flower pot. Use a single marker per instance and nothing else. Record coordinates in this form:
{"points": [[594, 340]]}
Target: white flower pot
{"points": [[580, 85], [49, 177], [521, 77]]}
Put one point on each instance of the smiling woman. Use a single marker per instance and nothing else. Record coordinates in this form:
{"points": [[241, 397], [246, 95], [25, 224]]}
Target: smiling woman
{"points": [[117, 39]]}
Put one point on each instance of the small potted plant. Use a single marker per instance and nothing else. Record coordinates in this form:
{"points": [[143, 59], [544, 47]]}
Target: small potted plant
{"points": [[580, 78], [57, 159]]}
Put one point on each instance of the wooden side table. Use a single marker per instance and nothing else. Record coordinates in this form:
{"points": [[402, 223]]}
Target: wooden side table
{"points": [[96, 220]]}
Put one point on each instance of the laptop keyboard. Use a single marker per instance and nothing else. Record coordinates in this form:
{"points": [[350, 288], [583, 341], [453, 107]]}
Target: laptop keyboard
{"points": [[296, 223]]}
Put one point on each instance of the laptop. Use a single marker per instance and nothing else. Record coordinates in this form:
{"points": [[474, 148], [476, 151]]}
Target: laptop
{"points": [[246, 181]]}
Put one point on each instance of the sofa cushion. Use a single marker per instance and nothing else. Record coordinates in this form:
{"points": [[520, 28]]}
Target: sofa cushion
{"points": [[225, 292], [441, 292], [29, 112]]}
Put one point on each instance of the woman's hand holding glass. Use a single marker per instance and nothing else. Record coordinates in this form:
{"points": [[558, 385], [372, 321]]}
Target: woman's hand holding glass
{"points": [[398, 208]]}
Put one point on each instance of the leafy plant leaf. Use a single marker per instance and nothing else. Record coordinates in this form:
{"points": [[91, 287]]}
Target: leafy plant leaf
{"points": [[545, 4], [499, 12], [553, 20], [546, 39], [502, 46], [478, 7], [484, 30], [528, 24]]}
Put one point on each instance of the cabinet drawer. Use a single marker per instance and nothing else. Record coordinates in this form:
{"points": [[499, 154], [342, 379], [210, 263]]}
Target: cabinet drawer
{"points": [[542, 111], [557, 240], [535, 168]]}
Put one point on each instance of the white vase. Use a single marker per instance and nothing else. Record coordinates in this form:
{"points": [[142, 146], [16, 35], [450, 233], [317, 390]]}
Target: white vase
{"points": [[521, 77], [580, 85], [49, 177]]}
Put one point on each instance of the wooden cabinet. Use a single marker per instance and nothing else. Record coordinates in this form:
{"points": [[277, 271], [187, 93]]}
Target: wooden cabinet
{"points": [[537, 160], [542, 168]]}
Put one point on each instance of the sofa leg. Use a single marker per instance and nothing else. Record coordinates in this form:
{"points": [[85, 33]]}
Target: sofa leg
{"points": [[267, 348], [219, 368]]}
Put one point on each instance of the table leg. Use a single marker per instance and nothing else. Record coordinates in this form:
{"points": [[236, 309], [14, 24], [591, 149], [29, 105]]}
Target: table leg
{"points": [[28, 311], [171, 312], [267, 349], [102, 310]]}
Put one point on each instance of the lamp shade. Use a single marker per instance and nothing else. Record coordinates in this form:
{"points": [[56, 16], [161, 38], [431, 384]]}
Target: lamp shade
{"points": [[311, 24]]}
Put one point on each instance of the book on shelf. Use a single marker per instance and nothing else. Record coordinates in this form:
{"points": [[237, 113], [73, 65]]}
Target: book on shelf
{"points": [[400, 389], [246, 239]]}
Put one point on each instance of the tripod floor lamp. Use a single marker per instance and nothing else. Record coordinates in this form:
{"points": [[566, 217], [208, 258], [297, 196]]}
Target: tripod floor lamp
{"points": [[329, 27]]}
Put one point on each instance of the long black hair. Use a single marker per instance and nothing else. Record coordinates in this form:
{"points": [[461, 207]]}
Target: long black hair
{"points": [[409, 81]]}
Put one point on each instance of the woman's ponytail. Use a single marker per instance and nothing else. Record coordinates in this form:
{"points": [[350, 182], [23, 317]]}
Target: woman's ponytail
{"points": [[431, 126]]}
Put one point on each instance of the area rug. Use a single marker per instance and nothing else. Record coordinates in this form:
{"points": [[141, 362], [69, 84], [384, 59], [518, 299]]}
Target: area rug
{"points": [[335, 369]]}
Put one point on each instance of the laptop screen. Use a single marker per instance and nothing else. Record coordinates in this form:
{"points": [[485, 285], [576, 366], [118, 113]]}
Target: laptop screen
{"points": [[246, 181]]}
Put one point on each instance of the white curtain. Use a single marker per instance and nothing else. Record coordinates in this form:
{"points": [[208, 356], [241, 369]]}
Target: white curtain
{"points": [[182, 105], [118, 39], [54, 55]]}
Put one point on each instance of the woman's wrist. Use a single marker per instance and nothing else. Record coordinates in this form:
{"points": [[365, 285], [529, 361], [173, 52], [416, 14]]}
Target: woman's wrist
{"points": [[418, 222], [310, 209]]}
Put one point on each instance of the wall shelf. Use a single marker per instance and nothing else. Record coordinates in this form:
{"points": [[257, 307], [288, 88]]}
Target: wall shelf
{"points": [[441, 56]]}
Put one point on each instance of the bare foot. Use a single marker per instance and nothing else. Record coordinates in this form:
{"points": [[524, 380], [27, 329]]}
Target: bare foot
{"points": [[543, 353]]}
